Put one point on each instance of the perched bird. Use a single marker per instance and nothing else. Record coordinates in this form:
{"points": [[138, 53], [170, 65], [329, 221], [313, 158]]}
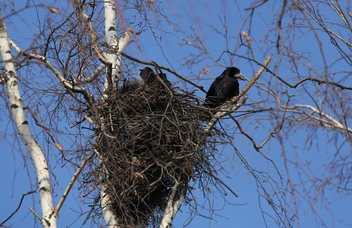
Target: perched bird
{"points": [[149, 77], [224, 87]]}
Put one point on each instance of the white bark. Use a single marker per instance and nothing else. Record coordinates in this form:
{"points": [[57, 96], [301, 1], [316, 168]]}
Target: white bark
{"points": [[105, 200], [113, 56], [110, 24], [172, 207], [35, 152], [116, 45], [108, 214]]}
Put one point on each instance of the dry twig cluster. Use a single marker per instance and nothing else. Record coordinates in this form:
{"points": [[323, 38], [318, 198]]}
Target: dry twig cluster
{"points": [[155, 143], [151, 138]]}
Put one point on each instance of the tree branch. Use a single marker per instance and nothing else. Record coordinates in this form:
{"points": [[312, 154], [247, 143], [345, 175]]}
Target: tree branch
{"points": [[152, 63], [294, 85], [68, 85], [18, 207], [68, 189]]}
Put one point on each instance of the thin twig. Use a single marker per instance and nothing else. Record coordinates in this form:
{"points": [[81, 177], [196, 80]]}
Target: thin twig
{"points": [[222, 113], [152, 63], [35, 214], [297, 83], [18, 207], [245, 134], [225, 185], [68, 189]]}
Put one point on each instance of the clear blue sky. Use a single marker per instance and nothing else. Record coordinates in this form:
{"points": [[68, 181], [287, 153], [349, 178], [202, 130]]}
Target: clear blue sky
{"points": [[244, 211]]}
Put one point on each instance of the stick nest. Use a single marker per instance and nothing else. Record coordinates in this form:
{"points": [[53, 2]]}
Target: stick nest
{"points": [[150, 138]]}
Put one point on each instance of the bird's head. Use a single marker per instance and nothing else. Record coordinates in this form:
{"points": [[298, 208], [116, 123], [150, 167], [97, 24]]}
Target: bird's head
{"points": [[234, 72], [147, 74]]}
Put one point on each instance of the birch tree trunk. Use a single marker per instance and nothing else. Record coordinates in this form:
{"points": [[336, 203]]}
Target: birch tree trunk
{"points": [[116, 45], [113, 74], [9, 77]]}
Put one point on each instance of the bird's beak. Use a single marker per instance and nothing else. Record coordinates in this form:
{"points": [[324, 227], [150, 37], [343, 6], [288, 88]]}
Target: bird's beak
{"points": [[241, 77]]}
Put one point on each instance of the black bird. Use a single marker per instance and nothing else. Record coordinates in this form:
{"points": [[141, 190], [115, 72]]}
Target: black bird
{"points": [[149, 77], [224, 87]]}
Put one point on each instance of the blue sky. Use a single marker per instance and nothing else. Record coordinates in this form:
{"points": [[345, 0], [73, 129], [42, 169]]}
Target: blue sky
{"points": [[16, 170]]}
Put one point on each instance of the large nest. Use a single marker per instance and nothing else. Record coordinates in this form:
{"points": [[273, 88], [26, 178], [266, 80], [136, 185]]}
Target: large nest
{"points": [[151, 137]]}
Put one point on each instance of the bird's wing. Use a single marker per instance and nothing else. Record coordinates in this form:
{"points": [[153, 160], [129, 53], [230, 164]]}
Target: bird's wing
{"points": [[212, 90]]}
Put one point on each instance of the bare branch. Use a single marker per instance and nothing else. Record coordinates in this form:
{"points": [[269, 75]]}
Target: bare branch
{"points": [[46, 62], [18, 207], [70, 185], [34, 213], [125, 39], [222, 113], [101, 56], [68, 85], [91, 77], [297, 83], [152, 63]]}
